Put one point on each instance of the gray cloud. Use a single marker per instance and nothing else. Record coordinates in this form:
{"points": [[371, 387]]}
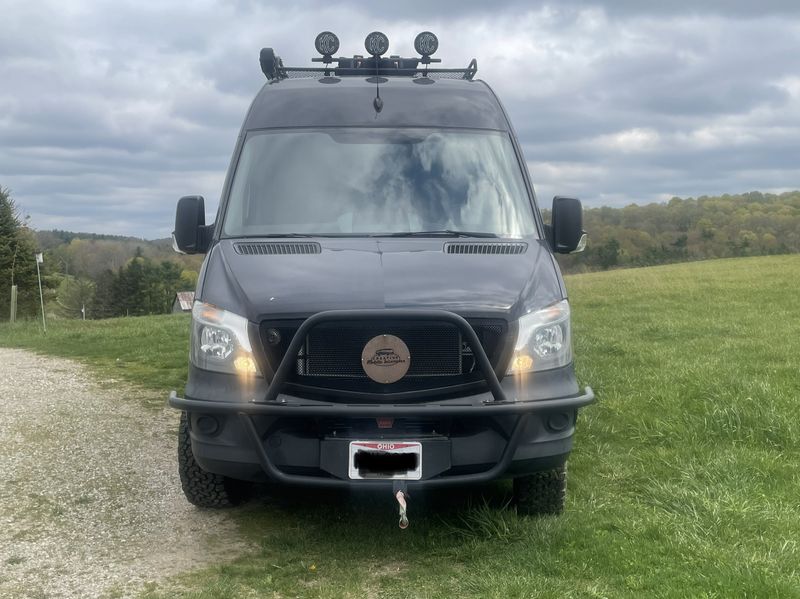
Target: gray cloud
{"points": [[109, 113]]}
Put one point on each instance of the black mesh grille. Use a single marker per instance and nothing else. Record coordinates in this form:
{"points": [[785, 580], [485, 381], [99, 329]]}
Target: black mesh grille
{"points": [[330, 358], [335, 349]]}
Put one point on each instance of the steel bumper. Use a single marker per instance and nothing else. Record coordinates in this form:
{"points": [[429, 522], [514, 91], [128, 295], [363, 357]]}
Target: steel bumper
{"points": [[246, 411]]}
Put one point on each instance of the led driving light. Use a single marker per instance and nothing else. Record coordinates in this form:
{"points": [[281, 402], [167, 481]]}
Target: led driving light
{"points": [[220, 341], [543, 341], [327, 43], [376, 43], [426, 43]]}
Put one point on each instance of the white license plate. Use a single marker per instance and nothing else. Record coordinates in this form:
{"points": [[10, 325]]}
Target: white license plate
{"points": [[386, 460]]}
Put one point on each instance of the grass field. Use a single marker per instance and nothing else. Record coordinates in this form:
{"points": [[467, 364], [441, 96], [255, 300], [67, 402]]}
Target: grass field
{"points": [[685, 480]]}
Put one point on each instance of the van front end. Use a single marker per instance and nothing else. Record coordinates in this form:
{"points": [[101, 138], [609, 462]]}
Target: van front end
{"points": [[380, 305], [463, 415]]}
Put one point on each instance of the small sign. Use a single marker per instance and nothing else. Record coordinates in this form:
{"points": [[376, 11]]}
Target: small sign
{"points": [[40, 258], [385, 359]]}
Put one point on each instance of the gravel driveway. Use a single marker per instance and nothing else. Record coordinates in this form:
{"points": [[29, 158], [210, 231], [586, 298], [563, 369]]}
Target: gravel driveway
{"points": [[90, 502]]}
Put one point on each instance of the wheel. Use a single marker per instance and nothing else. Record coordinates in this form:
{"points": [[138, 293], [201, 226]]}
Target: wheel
{"points": [[541, 493], [204, 489]]}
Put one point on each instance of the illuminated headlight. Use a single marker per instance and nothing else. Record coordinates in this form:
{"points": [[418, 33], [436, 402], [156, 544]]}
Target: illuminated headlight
{"points": [[543, 341], [220, 341]]}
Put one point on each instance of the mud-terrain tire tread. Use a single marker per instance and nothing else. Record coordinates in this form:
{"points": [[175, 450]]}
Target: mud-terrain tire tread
{"points": [[204, 489], [541, 493]]}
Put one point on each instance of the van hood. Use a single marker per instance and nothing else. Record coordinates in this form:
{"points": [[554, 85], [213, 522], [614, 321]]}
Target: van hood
{"points": [[369, 273]]}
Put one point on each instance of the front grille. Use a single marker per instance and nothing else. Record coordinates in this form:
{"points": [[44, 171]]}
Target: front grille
{"points": [[330, 358], [335, 349]]}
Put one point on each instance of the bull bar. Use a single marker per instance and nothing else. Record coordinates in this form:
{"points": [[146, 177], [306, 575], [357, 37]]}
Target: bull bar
{"points": [[274, 403]]}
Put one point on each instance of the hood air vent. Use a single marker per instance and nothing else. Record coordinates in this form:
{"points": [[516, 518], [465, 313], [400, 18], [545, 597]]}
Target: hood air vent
{"points": [[494, 247], [274, 248]]}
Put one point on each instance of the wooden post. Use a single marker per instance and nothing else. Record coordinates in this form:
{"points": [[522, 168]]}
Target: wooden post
{"points": [[13, 303], [40, 259]]}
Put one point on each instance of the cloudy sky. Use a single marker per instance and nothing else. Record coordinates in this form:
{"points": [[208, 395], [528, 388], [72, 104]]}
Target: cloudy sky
{"points": [[110, 111]]}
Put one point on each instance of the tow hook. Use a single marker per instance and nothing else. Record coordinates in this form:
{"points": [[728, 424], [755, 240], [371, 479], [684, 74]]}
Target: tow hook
{"points": [[401, 494], [401, 499]]}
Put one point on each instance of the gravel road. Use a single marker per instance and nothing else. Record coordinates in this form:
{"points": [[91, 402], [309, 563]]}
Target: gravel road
{"points": [[90, 502]]}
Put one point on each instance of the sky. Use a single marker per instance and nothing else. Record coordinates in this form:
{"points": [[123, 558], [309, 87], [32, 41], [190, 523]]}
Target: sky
{"points": [[110, 111]]}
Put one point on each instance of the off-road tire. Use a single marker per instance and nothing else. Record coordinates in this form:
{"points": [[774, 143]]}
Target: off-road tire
{"points": [[204, 489], [541, 493]]}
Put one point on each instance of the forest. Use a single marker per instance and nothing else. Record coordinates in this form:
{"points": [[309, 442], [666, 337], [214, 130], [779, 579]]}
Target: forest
{"points": [[101, 276], [727, 226]]}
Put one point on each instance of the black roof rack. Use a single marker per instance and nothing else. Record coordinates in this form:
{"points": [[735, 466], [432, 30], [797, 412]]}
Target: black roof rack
{"points": [[272, 66]]}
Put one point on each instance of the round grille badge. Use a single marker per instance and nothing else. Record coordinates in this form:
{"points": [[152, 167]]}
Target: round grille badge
{"points": [[385, 359]]}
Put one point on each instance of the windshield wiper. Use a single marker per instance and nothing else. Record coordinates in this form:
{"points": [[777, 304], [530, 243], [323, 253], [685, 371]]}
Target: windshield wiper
{"points": [[437, 233]]}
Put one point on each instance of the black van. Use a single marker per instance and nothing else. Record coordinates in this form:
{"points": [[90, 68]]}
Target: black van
{"points": [[379, 304]]}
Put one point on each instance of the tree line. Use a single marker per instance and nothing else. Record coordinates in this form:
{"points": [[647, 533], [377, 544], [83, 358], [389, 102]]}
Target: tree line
{"points": [[749, 224], [102, 276], [87, 275], [142, 286]]}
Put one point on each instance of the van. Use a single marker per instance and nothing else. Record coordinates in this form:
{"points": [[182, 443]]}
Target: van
{"points": [[379, 305]]}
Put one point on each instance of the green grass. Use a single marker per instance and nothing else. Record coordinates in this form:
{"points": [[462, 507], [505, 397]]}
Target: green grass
{"points": [[149, 351], [684, 482]]}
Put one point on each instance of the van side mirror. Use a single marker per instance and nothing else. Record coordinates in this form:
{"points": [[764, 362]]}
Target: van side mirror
{"points": [[191, 235], [566, 234]]}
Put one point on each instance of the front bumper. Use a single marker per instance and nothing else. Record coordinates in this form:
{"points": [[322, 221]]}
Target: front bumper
{"points": [[509, 429], [524, 449]]}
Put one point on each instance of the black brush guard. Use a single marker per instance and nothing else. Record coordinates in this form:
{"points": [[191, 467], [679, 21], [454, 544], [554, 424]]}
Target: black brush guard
{"points": [[276, 404]]}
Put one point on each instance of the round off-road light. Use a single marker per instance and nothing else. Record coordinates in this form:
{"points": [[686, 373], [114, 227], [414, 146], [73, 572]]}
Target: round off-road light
{"points": [[426, 43], [376, 43], [327, 43]]}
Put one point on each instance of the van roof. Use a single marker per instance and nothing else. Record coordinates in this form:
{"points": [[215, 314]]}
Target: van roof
{"points": [[348, 101]]}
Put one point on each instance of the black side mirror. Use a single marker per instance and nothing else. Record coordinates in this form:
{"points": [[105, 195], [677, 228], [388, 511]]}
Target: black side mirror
{"points": [[191, 235], [566, 234]]}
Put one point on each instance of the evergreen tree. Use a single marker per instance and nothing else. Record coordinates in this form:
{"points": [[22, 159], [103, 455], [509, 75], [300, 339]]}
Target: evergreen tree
{"points": [[17, 260], [105, 299], [73, 296]]}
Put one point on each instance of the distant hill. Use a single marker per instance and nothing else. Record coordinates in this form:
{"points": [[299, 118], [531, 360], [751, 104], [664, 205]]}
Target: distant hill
{"points": [[748, 224], [89, 254]]}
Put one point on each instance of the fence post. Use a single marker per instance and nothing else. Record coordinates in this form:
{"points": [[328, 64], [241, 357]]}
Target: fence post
{"points": [[13, 303], [39, 260]]}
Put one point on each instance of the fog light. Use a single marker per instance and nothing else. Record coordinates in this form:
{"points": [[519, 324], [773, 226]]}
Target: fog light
{"points": [[521, 363], [207, 425], [559, 421], [245, 365]]}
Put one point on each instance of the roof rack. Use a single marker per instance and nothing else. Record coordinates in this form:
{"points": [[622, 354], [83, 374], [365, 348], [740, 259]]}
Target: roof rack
{"points": [[376, 44]]}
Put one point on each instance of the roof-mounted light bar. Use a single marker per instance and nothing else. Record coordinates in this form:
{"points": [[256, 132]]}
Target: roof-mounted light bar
{"points": [[376, 45]]}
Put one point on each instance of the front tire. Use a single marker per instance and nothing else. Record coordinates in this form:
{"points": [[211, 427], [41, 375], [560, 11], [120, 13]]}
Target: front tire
{"points": [[541, 493], [202, 488]]}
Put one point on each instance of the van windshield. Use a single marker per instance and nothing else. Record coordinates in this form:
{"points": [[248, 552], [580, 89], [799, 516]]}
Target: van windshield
{"points": [[378, 182]]}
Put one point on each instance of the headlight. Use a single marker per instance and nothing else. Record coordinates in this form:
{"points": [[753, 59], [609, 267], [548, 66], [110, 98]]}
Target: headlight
{"points": [[543, 341], [220, 341]]}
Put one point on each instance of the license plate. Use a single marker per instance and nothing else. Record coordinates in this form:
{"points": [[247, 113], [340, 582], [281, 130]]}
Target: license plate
{"points": [[387, 460]]}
